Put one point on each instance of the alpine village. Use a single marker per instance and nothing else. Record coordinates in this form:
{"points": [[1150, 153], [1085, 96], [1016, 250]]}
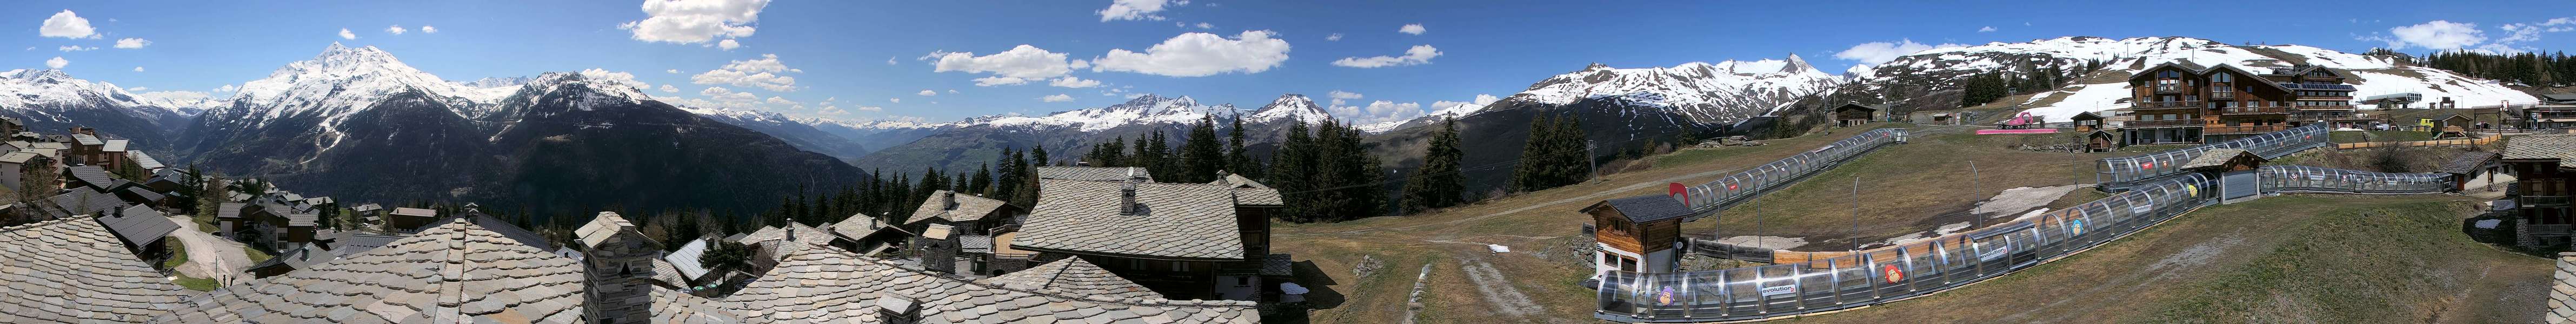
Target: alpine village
{"points": [[2415, 171]]}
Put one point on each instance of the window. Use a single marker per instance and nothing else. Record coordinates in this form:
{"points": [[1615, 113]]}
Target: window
{"points": [[2222, 77], [1243, 281], [1180, 266], [1607, 259]]}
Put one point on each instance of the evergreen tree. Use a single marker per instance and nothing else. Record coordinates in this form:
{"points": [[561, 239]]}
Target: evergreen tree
{"points": [[1531, 174], [1439, 182], [1292, 168], [1201, 157], [1038, 155], [1237, 159]]}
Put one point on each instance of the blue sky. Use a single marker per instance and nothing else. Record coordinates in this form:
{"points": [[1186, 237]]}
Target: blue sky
{"points": [[856, 60]]}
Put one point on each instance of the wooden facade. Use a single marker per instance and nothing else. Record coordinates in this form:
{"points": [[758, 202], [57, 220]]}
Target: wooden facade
{"points": [[2540, 196], [1854, 114], [2183, 103], [1615, 231]]}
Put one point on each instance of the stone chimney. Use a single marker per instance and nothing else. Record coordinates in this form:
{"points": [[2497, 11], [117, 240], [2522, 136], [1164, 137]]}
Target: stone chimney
{"points": [[1127, 193], [948, 200]]}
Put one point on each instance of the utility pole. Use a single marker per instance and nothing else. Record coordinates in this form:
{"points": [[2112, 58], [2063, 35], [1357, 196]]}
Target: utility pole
{"points": [[1976, 179], [1855, 199]]}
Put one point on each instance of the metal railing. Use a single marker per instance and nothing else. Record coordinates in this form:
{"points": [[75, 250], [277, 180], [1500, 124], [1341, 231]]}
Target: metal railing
{"points": [[2166, 104], [2168, 88], [2119, 173], [2300, 178], [2254, 110], [1894, 273], [1708, 198], [2243, 129], [2164, 123]]}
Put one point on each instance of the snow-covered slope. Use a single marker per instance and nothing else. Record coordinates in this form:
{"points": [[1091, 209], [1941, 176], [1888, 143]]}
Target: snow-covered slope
{"points": [[1144, 109], [2119, 57], [342, 81], [1708, 93], [35, 90], [1289, 107]]}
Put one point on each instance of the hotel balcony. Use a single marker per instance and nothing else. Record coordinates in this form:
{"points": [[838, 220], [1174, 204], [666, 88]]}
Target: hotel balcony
{"points": [[2163, 123], [2243, 129], [2273, 110], [2222, 95], [2168, 89], [2166, 104]]}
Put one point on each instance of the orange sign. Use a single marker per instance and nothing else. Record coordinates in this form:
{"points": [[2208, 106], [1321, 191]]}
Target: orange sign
{"points": [[1893, 274]]}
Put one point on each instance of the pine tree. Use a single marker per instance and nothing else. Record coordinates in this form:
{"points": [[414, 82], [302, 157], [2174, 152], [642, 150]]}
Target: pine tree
{"points": [[1439, 182], [1237, 159], [1292, 166], [1038, 155], [1201, 157], [1531, 174]]}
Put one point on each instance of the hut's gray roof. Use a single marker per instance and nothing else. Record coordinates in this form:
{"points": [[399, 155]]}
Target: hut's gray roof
{"points": [[858, 227], [139, 225], [969, 207], [2468, 162], [85, 201], [1073, 276], [2540, 147], [19, 157], [73, 271], [455, 272], [825, 285], [113, 146], [2212, 157], [1177, 221], [1092, 173], [144, 161], [92, 175], [1238, 181], [1647, 208], [686, 258], [87, 139], [681, 308]]}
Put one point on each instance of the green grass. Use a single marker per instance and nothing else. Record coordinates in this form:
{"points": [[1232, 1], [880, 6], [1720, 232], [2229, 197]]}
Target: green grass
{"points": [[255, 255], [195, 283], [178, 255], [2347, 266], [2378, 136]]}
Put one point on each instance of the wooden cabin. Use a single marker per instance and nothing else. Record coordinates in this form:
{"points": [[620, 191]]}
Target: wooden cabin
{"points": [[1637, 233], [1855, 114], [2101, 141], [2087, 122], [2235, 170]]}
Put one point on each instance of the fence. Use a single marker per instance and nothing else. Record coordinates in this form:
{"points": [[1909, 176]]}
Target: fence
{"points": [[1894, 273], [2447, 142], [1708, 198], [2121, 173], [2300, 178]]}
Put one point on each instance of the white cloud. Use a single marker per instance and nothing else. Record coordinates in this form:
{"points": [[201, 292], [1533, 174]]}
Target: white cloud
{"points": [[727, 95], [894, 100], [1016, 66], [1419, 54], [428, 29], [57, 62], [137, 89], [624, 78], [1415, 29], [775, 100], [999, 81], [1200, 54], [1204, 25], [1334, 37], [695, 21], [672, 71], [1133, 10], [2526, 32], [396, 29], [1341, 96], [75, 48], [1073, 82], [132, 43], [2438, 34], [669, 88], [227, 88], [1480, 102], [67, 25], [761, 73], [952, 91], [1056, 98], [1377, 112], [890, 61], [1988, 29], [728, 44], [138, 69], [345, 34], [1881, 52], [927, 93]]}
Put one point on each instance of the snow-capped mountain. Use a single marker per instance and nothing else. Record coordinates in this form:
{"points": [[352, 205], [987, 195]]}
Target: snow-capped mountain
{"points": [[1708, 93], [1140, 110], [2108, 88], [358, 123], [1289, 107], [49, 100]]}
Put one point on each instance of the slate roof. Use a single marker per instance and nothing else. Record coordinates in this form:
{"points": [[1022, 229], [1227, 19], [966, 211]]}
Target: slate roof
{"points": [[2559, 97], [669, 274], [1646, 208], [1238, 181], [415, 212], [969, 207], [92, 175], [85, 201], [2540, 147], [367, 208], [19, 157], [455, 272], [1177, 221], [818, 285], [858, 227], [804, 234], [1092, 173], [1257, 196], [686, 258], [86, 139], [2212, 157], [113, 146], [144, 161], [600, 228], [676, 307], [2467, 162], [228, 210], [71, 271], [139, 225], [1072, 276]]}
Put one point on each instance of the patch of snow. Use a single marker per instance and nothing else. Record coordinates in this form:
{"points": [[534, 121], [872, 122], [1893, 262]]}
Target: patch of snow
{"points": [[1765, 242]]}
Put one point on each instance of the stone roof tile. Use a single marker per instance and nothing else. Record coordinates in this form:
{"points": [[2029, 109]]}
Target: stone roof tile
{"points": [[1182, 221], [74, 271]]}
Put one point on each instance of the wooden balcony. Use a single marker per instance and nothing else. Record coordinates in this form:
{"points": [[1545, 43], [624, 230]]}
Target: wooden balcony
{"points": [[2222, 94], [2166, 104], [2274, 110], [2332, 108], [2163, 123], [2242, 129], [2168, 89], [2542, 201]]}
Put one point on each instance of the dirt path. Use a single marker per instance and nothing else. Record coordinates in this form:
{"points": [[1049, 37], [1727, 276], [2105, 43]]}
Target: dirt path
{"points": [[1498, 290], [209, 256]]}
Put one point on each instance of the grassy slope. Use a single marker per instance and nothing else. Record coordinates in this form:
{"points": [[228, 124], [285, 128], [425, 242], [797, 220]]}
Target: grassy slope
{"points": [[180, 256], [1539, 226], [1903, 189], [2327, 259]]}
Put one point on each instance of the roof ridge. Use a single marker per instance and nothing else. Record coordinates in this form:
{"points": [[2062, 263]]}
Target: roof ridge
{"points": [[37, 224], [451, 290], [1121, 301]]}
